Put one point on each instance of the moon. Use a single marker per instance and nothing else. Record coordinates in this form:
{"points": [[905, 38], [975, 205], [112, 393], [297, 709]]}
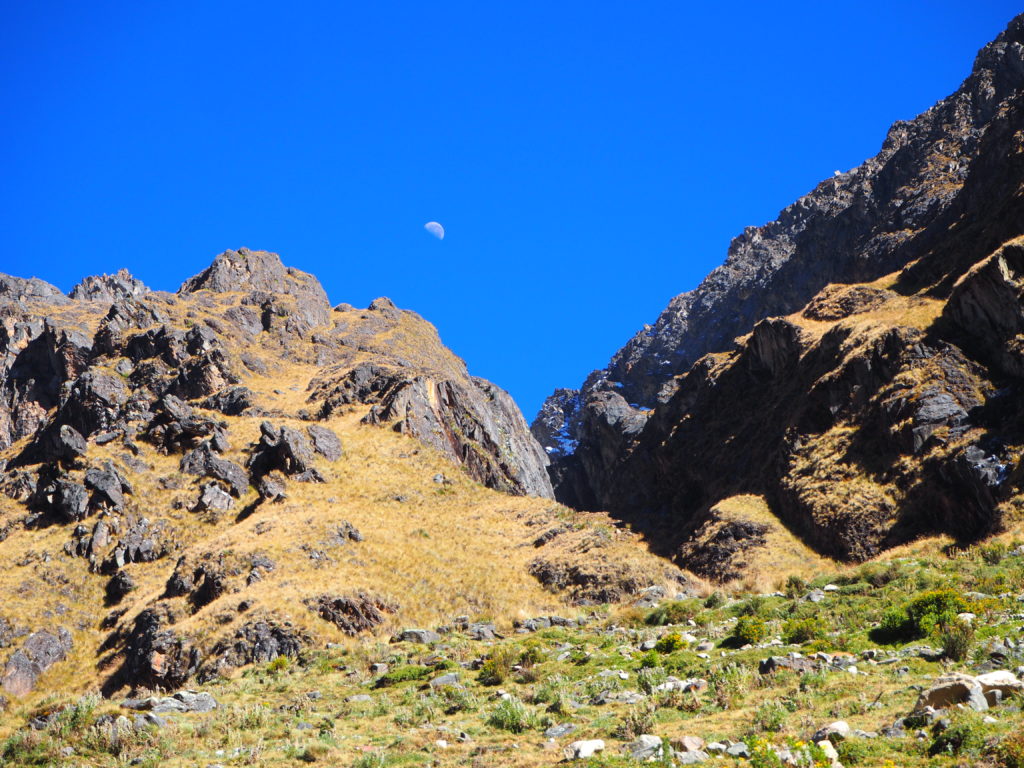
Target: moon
{"points": [[435, 229]]}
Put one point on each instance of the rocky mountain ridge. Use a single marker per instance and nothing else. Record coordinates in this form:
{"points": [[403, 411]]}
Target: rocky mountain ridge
{"points": [[875, 394], [854, 227]]}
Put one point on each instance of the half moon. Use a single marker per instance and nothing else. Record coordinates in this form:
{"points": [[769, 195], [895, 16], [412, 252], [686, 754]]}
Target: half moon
{"points": [[435, 229]]}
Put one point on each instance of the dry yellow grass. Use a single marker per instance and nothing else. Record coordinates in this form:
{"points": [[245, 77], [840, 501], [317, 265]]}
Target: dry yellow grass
{"points": [[782, 555], [444, 549]]}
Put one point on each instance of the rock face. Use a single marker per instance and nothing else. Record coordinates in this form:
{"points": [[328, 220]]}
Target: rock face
{"points": [[415, 386], [854, 227], [872, 406]]}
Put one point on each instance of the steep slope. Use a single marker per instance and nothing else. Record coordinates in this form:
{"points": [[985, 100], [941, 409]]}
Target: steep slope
{"points": [[858, 226], [196, 481], [879, 412]]}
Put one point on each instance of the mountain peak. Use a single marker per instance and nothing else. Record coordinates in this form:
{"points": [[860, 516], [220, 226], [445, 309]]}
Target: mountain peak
{"points": [[247, 270], [109, 288]]}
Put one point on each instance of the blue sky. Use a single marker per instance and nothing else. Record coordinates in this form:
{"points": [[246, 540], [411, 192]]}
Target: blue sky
{"points": [[589, 160]]}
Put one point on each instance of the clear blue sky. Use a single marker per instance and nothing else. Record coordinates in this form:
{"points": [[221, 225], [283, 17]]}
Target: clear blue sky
{"points": [[589, 160]]}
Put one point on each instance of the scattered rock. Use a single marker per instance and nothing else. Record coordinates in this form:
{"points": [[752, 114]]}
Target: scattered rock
{"points": [[579, 750]]}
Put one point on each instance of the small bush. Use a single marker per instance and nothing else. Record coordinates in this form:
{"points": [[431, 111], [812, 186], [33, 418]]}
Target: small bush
{"points": [[498, 666], [455, 700], [750, 630], [994, 553], [1010, 750], [403, 675], [965, 735], [715, 600], [531, 654], [956, 637], [671, 612], [278, 664], [639, 719], [770, 716], [670, 643], [650, 678], [797, 631], [512, 715], [932, 608], [649, 659], [754, 605], [795, 587]]}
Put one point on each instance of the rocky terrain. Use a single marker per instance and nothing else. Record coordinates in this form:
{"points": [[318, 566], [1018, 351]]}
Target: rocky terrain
{"points": [[853, 363], [236, 472], [242, 526]]}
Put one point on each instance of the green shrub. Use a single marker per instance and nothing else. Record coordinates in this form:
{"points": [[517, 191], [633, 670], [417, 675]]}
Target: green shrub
{"points": [[531, 654], [649, 659], [770, 716], [1010, 749], [278, 664], [498, 666], [862, 752], [512, 715], [803, 630], [956, 637], [754, 605], [750, 630], [77, 717], [994, 553], [965, 735], [795, 587], [650, 678], [639, 719], [670, 643], [932, 608], [403, 675], [671, 612], [715, 600]]}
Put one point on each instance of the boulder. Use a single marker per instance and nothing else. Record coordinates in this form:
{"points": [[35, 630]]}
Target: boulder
{"points": [[120, 584], [325, 442], [214, 499], [580, 750], [422, 636], [232, 401], [109, 288], [108, 486], [40, 652], [203, 462], [952, 689], [644, 748], [286, 450]]}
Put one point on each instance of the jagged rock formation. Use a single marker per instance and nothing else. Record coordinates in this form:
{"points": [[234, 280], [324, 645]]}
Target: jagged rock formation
{"points": [[878, 412], [109, 288], [171, 467], [854, 227]]}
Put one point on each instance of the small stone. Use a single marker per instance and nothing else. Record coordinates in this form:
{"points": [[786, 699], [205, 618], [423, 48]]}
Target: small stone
{"points": [[558, 731], [739, 749]]}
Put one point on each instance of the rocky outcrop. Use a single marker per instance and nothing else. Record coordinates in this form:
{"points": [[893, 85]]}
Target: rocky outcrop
{"points": [[352, 614], [40, 652], [920, 199], [266, 279], [109, 288], [428, 394]]}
